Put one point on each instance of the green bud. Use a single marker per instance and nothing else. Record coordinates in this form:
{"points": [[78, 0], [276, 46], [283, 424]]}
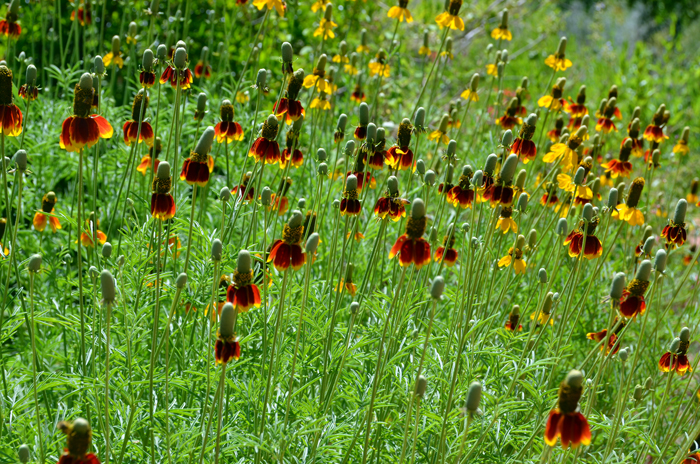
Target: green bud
{"points": [[109, 291], [437, 287], [660, 261], [618, 286], [679, 214], [644, 271], [181, 280], [417, 209], [226, 321], [473, 397]]}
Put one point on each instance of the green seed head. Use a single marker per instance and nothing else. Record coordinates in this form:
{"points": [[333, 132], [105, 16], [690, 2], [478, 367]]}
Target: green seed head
{"points": [[180, 58], [228, 317], [522, 202], [297, 218], [392, 184], [561, 49], [419, 120], [244, 263], [679, 214], [587, 212], [312, 243], [224, 193], [542, 276], [648, 245], [675, 345], [109, 292], [660, 261], [508, 169], [421, 386], [429, 177], [342, 122], [473, 397], [417, 209], [181, 280], [287, 52], [474, 82], [574, 379], [478, 178], [437, 287], [351, 182], [617, 287], [206, 140], [364, 114], [35, 263], [685, 334], [644, 271], [217, 250], [612, 198], [107, 250], [562, 227]]}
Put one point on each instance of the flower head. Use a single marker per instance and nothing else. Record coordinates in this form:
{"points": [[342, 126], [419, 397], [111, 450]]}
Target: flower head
{"points": [[83, 129], [78, 440], [45, 214], [565, 421], [558, 61], [196, 168], [411, 247], [162, 202], [450, 18], [287, 251]]}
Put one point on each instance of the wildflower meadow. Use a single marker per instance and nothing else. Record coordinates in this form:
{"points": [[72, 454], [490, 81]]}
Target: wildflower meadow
{"points": [[259, 231]]}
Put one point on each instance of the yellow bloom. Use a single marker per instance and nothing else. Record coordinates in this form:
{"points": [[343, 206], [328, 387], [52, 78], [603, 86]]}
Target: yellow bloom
{"points": [[492, 70], [340, 59], [558, 62], [351, 70], [519, 263], [270, 4], [450, 55], [318, 5], [560, 150], [681, 147], [501, 33], [446, 19], [633, 216], [325, 28], [110, 58], [506, 224], [320, 103], [542, 319], [424, 51], [242, 97], [130, 40], [322, 84], [439, 135], [376, 67], [469, 95], [549, 102], [399, 13], [566, 183], [362, 49]]}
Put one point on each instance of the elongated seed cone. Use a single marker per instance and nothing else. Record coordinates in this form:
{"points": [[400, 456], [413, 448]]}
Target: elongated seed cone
{"points": [[206, 140], [421, 386], [180, 58], [34, 263], [562, 227], [217, 250], [419, 120], [109, 291], [312, 243], [685, 334], [542, 276], [508, 169], [417, 209], [644, 271], [163, 170], [437, 287], [473, 397], [228, 317], [618, 286], [297, 219], [679, 213], [660, 260], [648, 245]]}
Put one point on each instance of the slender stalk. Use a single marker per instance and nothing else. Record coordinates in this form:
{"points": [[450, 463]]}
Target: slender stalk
{"points": [[35, 366]]}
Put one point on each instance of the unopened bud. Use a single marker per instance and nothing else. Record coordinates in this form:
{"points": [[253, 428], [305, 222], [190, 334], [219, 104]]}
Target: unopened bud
{"points": [[623, 354], [490, 165], [618, 286], [522, 202], [508, 169], [419, 120], [312, 243], [364, 114], [660, 261], [23, 454], [21, 160], [437, 287], [507, 138], [287, 52], [181, 280], [648, 245], [322, 169], [451, 148], [266, 196], [217, 250], [201, 102], [542, 276], [638, 393], [587, 212], [342, 122], [261, 79], [147, 60], [474, 82], [161, 52], [109, 291], [34, 263], [612, 198], [180, 58], [679, 214], [473, 397], [562, 227], [421, 386], [107, 250], [430, 177]]}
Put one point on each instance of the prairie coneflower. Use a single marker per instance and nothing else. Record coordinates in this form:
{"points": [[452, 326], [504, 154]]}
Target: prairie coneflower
{"points": [[280, 203], [633, 129], [447, 250], [505, 220], [361, 129], [265, 148], [578, 109], [676, 359], [621, 166], [326, 25], [151, 159], [515, 257], [400, 155], [196, 168], [227, 347], [632, 300], [558, 61], [565, 421], [554, 100], [227, 129], [681, 147], [347, 283], [523, 146], [243, 294], [462, 194], [450, 18], [510, 119], [655, 131], [10, 114], [612, 339], [411, 246], [114, 56], [351, 66], [400, 12], [692, 196], [440, 134], [318, 77], [177, 71], [391, 204], [292, 153], [358, 96], [565, 153], [84, 14], [131, 127], [86, 235], [501, 191], [502, 32], [29, 90], [9, 27], [278, 5], [162, 202], [78, 441], [42, 217], [244, 189], [471, 94], [203, 68], [675, 233], [287, 251], [289, 106], [555, 133], [549, 198], [147, 77], [318, 5], [82, 128], [513, 322], [321, 102], [628, 211], [350, 204], [379, 66], [575, 239], [425, 48], [605, 114]]}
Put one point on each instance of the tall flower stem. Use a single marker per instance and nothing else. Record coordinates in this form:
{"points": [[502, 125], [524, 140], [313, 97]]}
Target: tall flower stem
{"points": [[154, 338], [217, 399], [108, 316], [430, 73], [378, 367], [278, 323], [189, 232], [35, 366]]}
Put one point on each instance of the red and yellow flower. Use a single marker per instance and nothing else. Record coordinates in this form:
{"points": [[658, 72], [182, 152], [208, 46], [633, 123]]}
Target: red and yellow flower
{"points": [[462, 194], [513, 322], [196, 168], [227, 129], [151, 159], [628, 211], [83, 129], [506, 222], [45, 214], [676, 360], [265, 148], [243, 294], [162, 202], [632, 302], [411, 247], [554, 100], [290, 107], [244, 188], [621, 166], [447, 252], [379, 66], [78, 441], [287, 251], [654, 132], [565, 421], [87, 234], [593, 247], [131, 128], [675, 234], [9, 27], [565, 153], [559, 61], [182, 77]]}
